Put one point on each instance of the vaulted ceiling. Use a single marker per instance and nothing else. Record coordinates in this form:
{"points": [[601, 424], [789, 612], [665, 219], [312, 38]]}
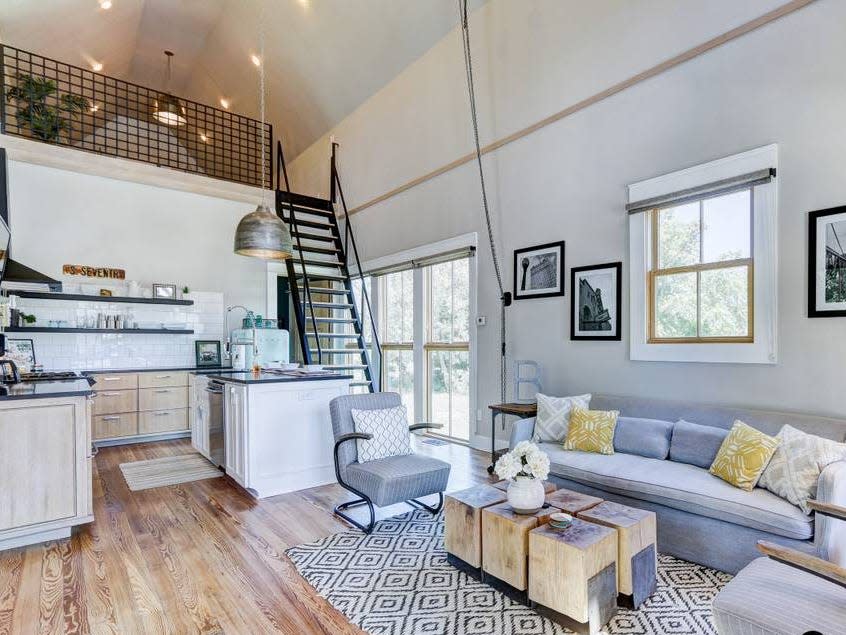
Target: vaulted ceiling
{"points": [[323, 57]]}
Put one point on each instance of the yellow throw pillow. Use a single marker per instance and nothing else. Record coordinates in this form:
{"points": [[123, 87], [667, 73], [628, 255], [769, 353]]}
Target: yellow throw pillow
{"points": [[743, 456], [591, 430]]}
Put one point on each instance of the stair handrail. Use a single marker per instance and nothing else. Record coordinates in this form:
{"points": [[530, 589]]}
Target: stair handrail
{"points": [[350, 236], [293, 224]]}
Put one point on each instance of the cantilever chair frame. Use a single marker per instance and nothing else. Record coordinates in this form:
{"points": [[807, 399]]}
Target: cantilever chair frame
{"points": [[363, 499]]}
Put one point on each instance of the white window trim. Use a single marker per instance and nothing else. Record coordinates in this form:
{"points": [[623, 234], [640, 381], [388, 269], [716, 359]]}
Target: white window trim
{"points": [[764, 349]]}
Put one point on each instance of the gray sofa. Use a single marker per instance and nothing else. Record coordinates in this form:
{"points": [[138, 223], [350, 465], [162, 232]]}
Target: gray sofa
{"points": [[700, 517]]}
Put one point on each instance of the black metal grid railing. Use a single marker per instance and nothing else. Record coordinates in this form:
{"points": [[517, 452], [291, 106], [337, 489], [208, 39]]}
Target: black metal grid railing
{"points": [[58, 103]]}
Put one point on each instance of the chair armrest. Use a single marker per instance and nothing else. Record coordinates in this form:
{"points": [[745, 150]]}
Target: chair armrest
{"points": [[522, 430], [803, 561], [351, 436], [828, 509], [829, 530], [424, 426]]}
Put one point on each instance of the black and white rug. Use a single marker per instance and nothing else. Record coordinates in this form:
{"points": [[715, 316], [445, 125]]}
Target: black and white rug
{"points": [[397, 581]]}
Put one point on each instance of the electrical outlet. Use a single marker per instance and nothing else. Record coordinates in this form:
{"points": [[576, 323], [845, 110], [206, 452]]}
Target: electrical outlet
{"points": [[481, 320]]}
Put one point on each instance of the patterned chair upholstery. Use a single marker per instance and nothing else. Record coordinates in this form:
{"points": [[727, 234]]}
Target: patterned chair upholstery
{"points": [[385, 481]]}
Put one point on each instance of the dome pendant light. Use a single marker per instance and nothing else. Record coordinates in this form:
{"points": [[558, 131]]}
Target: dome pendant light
{"points": [[262, 234], [166, 108]]}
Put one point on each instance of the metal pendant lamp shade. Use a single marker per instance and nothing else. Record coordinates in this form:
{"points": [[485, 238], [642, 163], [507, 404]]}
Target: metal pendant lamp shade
{"points": [[262, 234], [169, 111]]}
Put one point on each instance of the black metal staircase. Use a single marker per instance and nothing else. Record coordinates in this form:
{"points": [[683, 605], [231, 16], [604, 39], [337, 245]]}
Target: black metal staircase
{"points": [[329, 324]]}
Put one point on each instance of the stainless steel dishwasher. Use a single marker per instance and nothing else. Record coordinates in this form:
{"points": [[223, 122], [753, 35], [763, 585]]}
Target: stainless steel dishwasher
{"points": [[216, 427]]}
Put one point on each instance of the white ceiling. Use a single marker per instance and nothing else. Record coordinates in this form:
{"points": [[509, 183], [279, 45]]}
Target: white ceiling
{"points": [[324, 57]]}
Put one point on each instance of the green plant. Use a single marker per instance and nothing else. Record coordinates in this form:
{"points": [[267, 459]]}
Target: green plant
{"points": [[185, 289], [45, 121], [29, 318]]}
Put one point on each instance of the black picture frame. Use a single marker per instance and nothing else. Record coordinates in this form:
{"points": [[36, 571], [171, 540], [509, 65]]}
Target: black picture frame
{"points": [[11, 346], [815, 268], [521, 269], [616, 334], [200, 357]]}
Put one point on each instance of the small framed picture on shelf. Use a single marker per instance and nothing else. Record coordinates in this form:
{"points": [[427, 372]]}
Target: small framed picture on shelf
{"points": [[22, 352], [207, 352], [539, 271], [595, 301], [164, 291], [827, 263]]}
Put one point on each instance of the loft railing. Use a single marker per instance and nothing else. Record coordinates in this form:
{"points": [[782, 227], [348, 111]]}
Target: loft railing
{"points": [[61, 104]]}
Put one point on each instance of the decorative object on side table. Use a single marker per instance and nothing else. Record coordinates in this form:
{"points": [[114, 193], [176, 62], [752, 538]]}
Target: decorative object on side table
{"points": [[527, 380], [164, 291], [207, 352], [539, 271], [595, 302], [827, 263], [526, 466]]}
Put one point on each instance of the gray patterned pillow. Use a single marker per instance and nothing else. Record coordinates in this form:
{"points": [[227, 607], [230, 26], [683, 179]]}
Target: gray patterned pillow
{"points": [[795, 468], [553, 418], [389, 427]]}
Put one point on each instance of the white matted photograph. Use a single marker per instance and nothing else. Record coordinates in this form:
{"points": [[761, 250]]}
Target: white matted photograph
{"points": [[595, 302], [539, 271], [827, 263]]}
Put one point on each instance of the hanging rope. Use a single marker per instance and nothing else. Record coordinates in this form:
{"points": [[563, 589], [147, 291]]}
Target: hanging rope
{"points": [[505, 297]]}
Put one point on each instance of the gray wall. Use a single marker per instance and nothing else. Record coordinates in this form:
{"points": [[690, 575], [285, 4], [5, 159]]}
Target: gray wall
{"points": [[781, 84]]}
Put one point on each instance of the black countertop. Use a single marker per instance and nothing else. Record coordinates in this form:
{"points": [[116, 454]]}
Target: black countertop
{"points": [[197, 369], [45, 389], [247, 377]]}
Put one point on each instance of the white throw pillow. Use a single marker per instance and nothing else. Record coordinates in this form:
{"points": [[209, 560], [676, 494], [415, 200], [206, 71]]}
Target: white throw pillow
{"points": [[794, 470], [553, 416], [389, 427]]}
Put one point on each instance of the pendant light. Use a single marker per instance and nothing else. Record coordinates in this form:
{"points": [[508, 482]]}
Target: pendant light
{"points": [[166, 108], [262, 234]]}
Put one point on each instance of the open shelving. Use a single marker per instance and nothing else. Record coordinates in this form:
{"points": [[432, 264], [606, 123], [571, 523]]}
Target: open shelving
{"points": [[80, 297]]}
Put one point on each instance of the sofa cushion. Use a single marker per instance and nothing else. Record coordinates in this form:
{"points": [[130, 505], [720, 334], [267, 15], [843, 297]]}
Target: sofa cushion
{"points": [[644, 437], [696, 444], [681, 486]]}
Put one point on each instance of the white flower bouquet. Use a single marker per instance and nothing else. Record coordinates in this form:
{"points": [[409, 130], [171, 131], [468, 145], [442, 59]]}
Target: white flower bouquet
{"points": [[526, 459]]}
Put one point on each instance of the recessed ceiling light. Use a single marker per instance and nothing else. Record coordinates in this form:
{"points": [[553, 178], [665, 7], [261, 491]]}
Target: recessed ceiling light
{"points": [[224, 103], [94, 108], [204, 138], [96, 66], [105, 4], [256, 60], [303, 3]]}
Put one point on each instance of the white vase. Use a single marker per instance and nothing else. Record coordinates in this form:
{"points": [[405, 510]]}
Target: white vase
{"points": [[525, 495]]}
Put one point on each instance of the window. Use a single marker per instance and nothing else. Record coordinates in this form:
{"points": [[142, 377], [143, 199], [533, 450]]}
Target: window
{"points": [[396, 310], [703, 253], [448, 346], [702, 274]]}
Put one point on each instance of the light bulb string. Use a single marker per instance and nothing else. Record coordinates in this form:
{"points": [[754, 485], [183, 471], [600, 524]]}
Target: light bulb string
{"points": [[262, 104]]}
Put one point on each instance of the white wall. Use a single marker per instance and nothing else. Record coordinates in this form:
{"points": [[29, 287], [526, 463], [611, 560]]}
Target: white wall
{"points": [[156, 234], [780, 84]]}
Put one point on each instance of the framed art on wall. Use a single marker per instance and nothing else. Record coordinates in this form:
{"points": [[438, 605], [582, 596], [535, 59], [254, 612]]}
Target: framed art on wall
{"points": [[207, 352], [595, 301], [22, 352], [827, 263], [539, 271], [164, 291]]}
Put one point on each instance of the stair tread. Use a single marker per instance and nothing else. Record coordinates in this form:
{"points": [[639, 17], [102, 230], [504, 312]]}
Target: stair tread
{"points": [[337, 336], [309, 236], [332, 305], [318, 250], [365, 382], [308, 223], [339, 351], [328, 291], [303, 200], [345, 366], [331, 320], [322, 276], [319, 263]]}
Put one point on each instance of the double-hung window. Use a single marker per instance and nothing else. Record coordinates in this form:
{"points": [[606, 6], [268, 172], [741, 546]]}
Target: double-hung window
{"points": [[702, 248]]}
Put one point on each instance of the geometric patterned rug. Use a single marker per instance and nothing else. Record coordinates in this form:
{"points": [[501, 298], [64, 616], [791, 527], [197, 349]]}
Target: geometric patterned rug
{"points": [[397, 581]]}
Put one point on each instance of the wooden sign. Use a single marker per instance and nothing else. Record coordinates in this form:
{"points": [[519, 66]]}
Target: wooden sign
{"points": [[94, 272]]}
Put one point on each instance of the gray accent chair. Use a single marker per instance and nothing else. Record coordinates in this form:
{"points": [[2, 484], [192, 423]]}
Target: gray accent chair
{"points": [[788, 592], [700, 517], [387, 481]]}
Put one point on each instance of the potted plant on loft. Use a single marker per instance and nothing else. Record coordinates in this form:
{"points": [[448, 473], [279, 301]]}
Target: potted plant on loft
{"points": [[526, 466], [42, 108]]}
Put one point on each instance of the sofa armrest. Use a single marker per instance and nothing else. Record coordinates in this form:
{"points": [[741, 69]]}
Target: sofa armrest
{"points": [[830, 532], [522, 430], [803, 561]]}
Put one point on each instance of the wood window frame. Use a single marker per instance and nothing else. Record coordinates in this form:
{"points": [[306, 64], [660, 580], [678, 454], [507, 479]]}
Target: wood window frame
{"points": [[655, 272]]}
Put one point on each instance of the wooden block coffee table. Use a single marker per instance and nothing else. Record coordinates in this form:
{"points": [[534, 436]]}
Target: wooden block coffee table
{"points": [[637, 565], [570, 501], [548, 486], [573, 574], [505, 545], [463, 525]]}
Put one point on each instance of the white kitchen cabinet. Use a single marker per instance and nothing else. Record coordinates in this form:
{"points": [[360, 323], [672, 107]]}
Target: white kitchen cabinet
{"points": [[45, 469], [199, 415], [236, 432]]}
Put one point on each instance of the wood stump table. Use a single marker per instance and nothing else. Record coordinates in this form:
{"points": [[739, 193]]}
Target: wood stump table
{"points": [[573, 574], [637, 564], [505, 547], [570, 501], [463, 525]]}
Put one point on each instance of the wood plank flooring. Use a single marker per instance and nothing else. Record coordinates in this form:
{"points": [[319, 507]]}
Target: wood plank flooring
{"points": [[199, 557]]}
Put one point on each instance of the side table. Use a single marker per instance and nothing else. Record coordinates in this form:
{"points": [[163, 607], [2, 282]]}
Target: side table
{"points": [[522, 410]]}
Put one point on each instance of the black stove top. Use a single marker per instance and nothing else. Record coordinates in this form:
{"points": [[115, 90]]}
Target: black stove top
{"points": [[46, 375]]}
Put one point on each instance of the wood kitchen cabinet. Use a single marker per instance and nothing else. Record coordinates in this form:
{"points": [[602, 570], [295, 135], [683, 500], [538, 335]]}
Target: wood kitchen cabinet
{"points": [[45, 469]]}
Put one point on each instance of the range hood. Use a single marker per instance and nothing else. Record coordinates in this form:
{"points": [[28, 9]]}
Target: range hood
{"points": [[15, 271]]}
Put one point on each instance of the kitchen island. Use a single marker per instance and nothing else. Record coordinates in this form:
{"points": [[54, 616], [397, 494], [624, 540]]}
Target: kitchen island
{"points": [[277, 430], [45, 467]]}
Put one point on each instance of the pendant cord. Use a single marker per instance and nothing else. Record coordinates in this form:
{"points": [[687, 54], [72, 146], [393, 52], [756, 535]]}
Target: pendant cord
{"points": [[262, 91], [505, 298]]}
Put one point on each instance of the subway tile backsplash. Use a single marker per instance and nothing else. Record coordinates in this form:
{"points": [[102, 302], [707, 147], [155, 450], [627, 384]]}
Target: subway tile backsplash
{"points": [[93, 351]]}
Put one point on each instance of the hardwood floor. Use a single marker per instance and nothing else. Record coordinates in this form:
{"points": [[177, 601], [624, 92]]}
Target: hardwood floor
{"points": [[200, 557]]}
